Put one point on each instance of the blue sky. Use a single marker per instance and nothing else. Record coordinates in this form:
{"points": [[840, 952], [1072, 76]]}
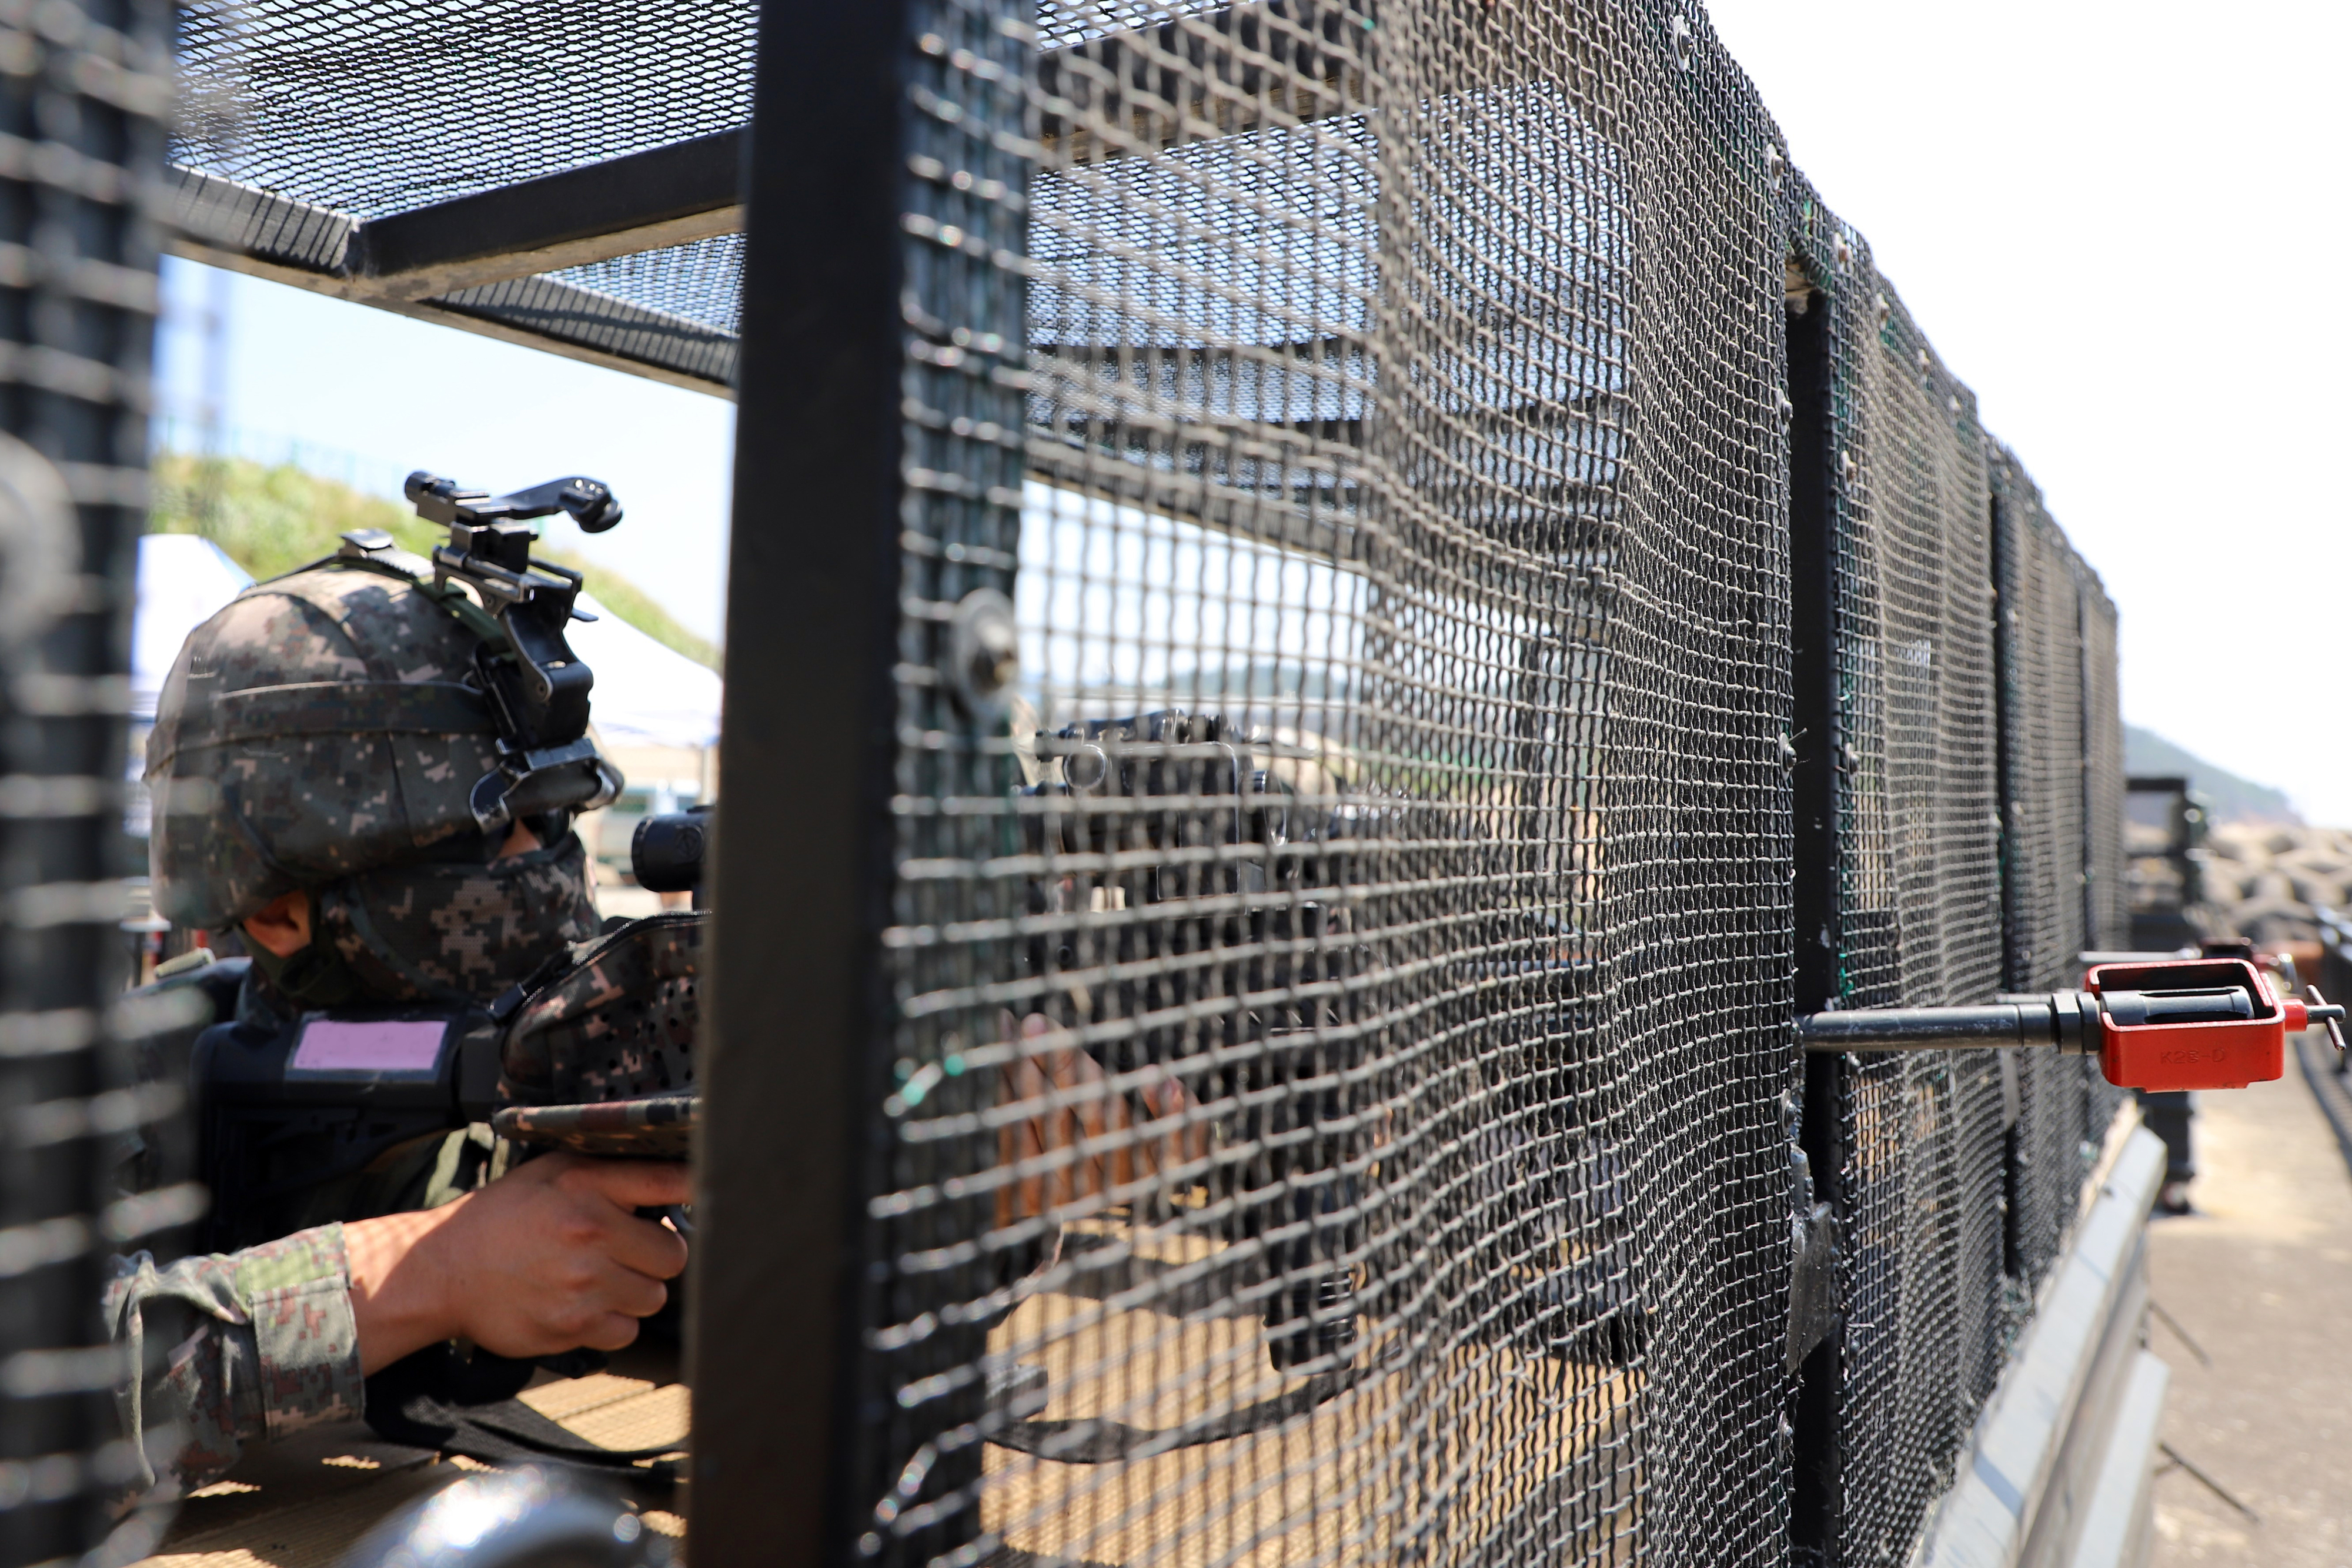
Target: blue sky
{"points": [[2122, 224], [370, 396], [2125, 224]]}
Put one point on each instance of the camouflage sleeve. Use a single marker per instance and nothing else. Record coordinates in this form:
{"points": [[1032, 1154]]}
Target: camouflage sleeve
{"points": [[273, 1348]]}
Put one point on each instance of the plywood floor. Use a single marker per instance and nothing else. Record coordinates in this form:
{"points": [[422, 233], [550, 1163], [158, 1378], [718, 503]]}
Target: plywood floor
{"points": [[302, 1503], [1511, 1444], [1522, 1457]]}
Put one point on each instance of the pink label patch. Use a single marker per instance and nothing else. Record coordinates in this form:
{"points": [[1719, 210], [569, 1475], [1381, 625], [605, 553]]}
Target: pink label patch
{"points": [[380, 1045]]}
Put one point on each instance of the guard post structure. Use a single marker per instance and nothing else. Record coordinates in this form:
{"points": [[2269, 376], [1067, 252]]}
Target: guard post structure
{"points": [[1399, 599], [1340, 617]]}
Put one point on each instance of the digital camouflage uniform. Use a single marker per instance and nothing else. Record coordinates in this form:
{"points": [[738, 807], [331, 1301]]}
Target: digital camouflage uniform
{"points": [[262, 1341], [320, 734], [267, 1342], [601, 1058], [273, 1348]]}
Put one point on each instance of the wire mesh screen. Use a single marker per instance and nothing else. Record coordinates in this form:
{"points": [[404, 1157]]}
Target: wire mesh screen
{"points": [[2062, 836], [82, 99], [2106, 888], [1923, 1136], [2043, 616], [1342, 988]]}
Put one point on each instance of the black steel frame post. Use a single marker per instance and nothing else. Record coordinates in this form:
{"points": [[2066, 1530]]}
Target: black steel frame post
{"points": [[1817, 1493], [2006, 579], [664, 195], [806, 753], [2094, 932], [2016, 976], [76, 326], [2022, 948]]}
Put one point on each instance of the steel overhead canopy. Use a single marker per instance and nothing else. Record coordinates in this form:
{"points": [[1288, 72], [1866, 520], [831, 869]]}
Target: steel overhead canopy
{"points": [[567, 178], [559, 176], [495, 261]]}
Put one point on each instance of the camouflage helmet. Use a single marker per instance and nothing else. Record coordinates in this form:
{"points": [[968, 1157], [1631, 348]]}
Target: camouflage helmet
{"points": [[322, 725]]}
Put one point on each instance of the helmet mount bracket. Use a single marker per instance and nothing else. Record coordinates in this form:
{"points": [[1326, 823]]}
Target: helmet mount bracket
{"points": [[537, 687]]}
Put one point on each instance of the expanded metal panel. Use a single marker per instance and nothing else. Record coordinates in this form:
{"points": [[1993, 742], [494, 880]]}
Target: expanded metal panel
{"points": [[701, 282], [689, 328], [1335, 1096], [82, 102], [315, 117], [378, 106]]}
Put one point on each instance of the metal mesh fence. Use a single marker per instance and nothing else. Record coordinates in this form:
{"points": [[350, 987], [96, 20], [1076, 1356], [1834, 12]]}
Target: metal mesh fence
{"points": [[1341, 1104], [83, 88], [2062, 751], [1922, 1138], [2042, 617], [2106, 885], [1343, 1095], [1307, 1057]]}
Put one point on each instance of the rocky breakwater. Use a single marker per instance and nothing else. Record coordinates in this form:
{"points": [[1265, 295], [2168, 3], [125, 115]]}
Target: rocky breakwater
{"points": [[2272, 883]]}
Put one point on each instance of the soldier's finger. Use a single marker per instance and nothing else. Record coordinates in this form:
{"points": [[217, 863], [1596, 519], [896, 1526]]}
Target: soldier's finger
{"points": [[636, 1184], [624, 1289], [549, 1167], [613, 1330], [647, 1247]]}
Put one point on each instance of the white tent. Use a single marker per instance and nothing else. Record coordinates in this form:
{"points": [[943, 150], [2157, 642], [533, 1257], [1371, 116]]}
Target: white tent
{"points": [[645, 694], [182, 580]]}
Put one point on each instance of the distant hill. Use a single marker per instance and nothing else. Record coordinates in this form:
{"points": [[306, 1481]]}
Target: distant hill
{"points": [[273, 519], [2234, 799]]}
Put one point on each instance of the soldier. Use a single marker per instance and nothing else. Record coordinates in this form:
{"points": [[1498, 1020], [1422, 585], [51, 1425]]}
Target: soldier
{"points": [[314, 769]]}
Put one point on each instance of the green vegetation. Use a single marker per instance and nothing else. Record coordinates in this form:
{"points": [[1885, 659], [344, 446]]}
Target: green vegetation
{"points": [[273, 519], [2229, 798]]}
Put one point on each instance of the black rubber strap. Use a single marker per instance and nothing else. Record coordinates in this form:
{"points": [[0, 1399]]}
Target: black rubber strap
{"points": [[511, 1432], [435, 1400], [1093, 1441]]}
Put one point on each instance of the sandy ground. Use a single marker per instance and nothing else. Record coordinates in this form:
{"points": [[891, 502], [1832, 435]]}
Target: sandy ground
{"points": [[2260, 1277]]}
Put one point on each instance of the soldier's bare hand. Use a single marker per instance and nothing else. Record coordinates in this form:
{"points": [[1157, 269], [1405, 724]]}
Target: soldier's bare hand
{"points": [[549, 1258]]}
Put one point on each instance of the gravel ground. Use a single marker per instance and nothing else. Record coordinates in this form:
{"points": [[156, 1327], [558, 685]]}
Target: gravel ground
{"points": [[2261, 1277]]}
